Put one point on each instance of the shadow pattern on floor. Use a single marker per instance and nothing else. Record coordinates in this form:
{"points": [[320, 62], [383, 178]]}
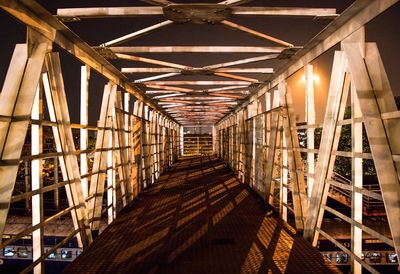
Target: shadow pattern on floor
{"points": [[198, 218]]}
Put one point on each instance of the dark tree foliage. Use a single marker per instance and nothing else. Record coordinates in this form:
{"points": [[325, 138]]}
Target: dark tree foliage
{"points": [[343, 164]]}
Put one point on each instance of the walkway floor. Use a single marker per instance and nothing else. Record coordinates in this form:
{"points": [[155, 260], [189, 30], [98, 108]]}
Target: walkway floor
{"points": [[198, 218]]}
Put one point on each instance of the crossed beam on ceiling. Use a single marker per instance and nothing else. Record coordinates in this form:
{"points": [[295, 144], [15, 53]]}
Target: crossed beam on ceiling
{"points": [[175, 96]]}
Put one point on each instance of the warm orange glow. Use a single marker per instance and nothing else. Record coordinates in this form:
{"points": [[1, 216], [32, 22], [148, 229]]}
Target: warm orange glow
{"points": [[315, 77]]}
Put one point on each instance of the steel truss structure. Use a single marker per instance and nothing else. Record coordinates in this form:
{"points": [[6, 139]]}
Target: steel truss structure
{"points": [[253, 120], [260, 142]]}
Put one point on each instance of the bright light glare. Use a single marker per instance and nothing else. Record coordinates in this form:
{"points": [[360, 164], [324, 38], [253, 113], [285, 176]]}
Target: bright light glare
{"points": [[315, 77]]}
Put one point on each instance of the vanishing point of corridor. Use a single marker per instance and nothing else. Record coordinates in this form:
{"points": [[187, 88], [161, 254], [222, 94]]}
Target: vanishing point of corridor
{"points": [[198, 218]]}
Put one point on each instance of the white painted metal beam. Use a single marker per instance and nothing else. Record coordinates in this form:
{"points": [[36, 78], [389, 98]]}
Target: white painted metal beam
{"points": [[16, 101], [234, 2], [197, 49], [151, 61], [243, 61], [198, 83], [284, 11], [115, 12], [84, 104], [256, 33], [158, 2], [35, 16], [37, 182], [352, 19], [219, 70], [136, 34], [152, 78], [104, 12]]}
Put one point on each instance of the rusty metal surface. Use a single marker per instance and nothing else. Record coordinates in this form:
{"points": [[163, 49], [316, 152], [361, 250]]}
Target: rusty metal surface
{"points": [[197, 13], [198, 218]]}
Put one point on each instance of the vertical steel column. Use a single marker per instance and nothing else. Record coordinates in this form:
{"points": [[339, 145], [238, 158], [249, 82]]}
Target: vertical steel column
{"points": [[214, 139], [181, 141], [58, 110], [299, 195], [16, 101], [310, 119], [127, 98], [100, 164], [56, 191], [27, 184], [327, 143], [111, 187], [378, 139], [272, 146], [120, 153], [284, 179], [37, 181], [85, 75], [357, 180]]}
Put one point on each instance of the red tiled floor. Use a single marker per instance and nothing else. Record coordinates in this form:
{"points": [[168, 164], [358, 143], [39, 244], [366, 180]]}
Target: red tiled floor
{"points": [[197, 218]]}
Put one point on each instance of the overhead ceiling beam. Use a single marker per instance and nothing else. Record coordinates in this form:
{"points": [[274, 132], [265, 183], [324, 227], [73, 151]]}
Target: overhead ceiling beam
{"points": [[352, 19], [160, 92], [196, 110], [151, 61], [198, 118], [176, 107], [202, 110], [218, 103], [174, 70], [196, 114], [150, 70], [112, 12], [234, 2], [197, 93], [237, 77], [198, 125], [226, 88], [166, 75], [285, 11], [256, 33], [158, 2], [243, 61], [136, 34], [244, 92], [167, 95], [226, 75], [197, 99], [246, 70], [197, 49], [198, 83], [214, 115], [194, 106], [38, 18], [234, 96], [103, 12], [169, 88]]}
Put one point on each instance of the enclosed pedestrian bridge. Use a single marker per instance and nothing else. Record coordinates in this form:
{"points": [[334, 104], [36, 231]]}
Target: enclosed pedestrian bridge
{"points": [[230, 136]]}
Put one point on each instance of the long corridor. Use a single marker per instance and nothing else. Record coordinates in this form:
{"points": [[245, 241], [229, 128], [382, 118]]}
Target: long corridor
{"points": [[198, 218]]}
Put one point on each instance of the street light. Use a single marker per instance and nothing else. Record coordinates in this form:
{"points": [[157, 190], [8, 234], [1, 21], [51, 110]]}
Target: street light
{"points": [[315, 78]]}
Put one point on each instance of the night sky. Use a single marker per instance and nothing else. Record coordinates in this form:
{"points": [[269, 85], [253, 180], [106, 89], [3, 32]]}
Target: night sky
{"points": [[297, 31]]}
